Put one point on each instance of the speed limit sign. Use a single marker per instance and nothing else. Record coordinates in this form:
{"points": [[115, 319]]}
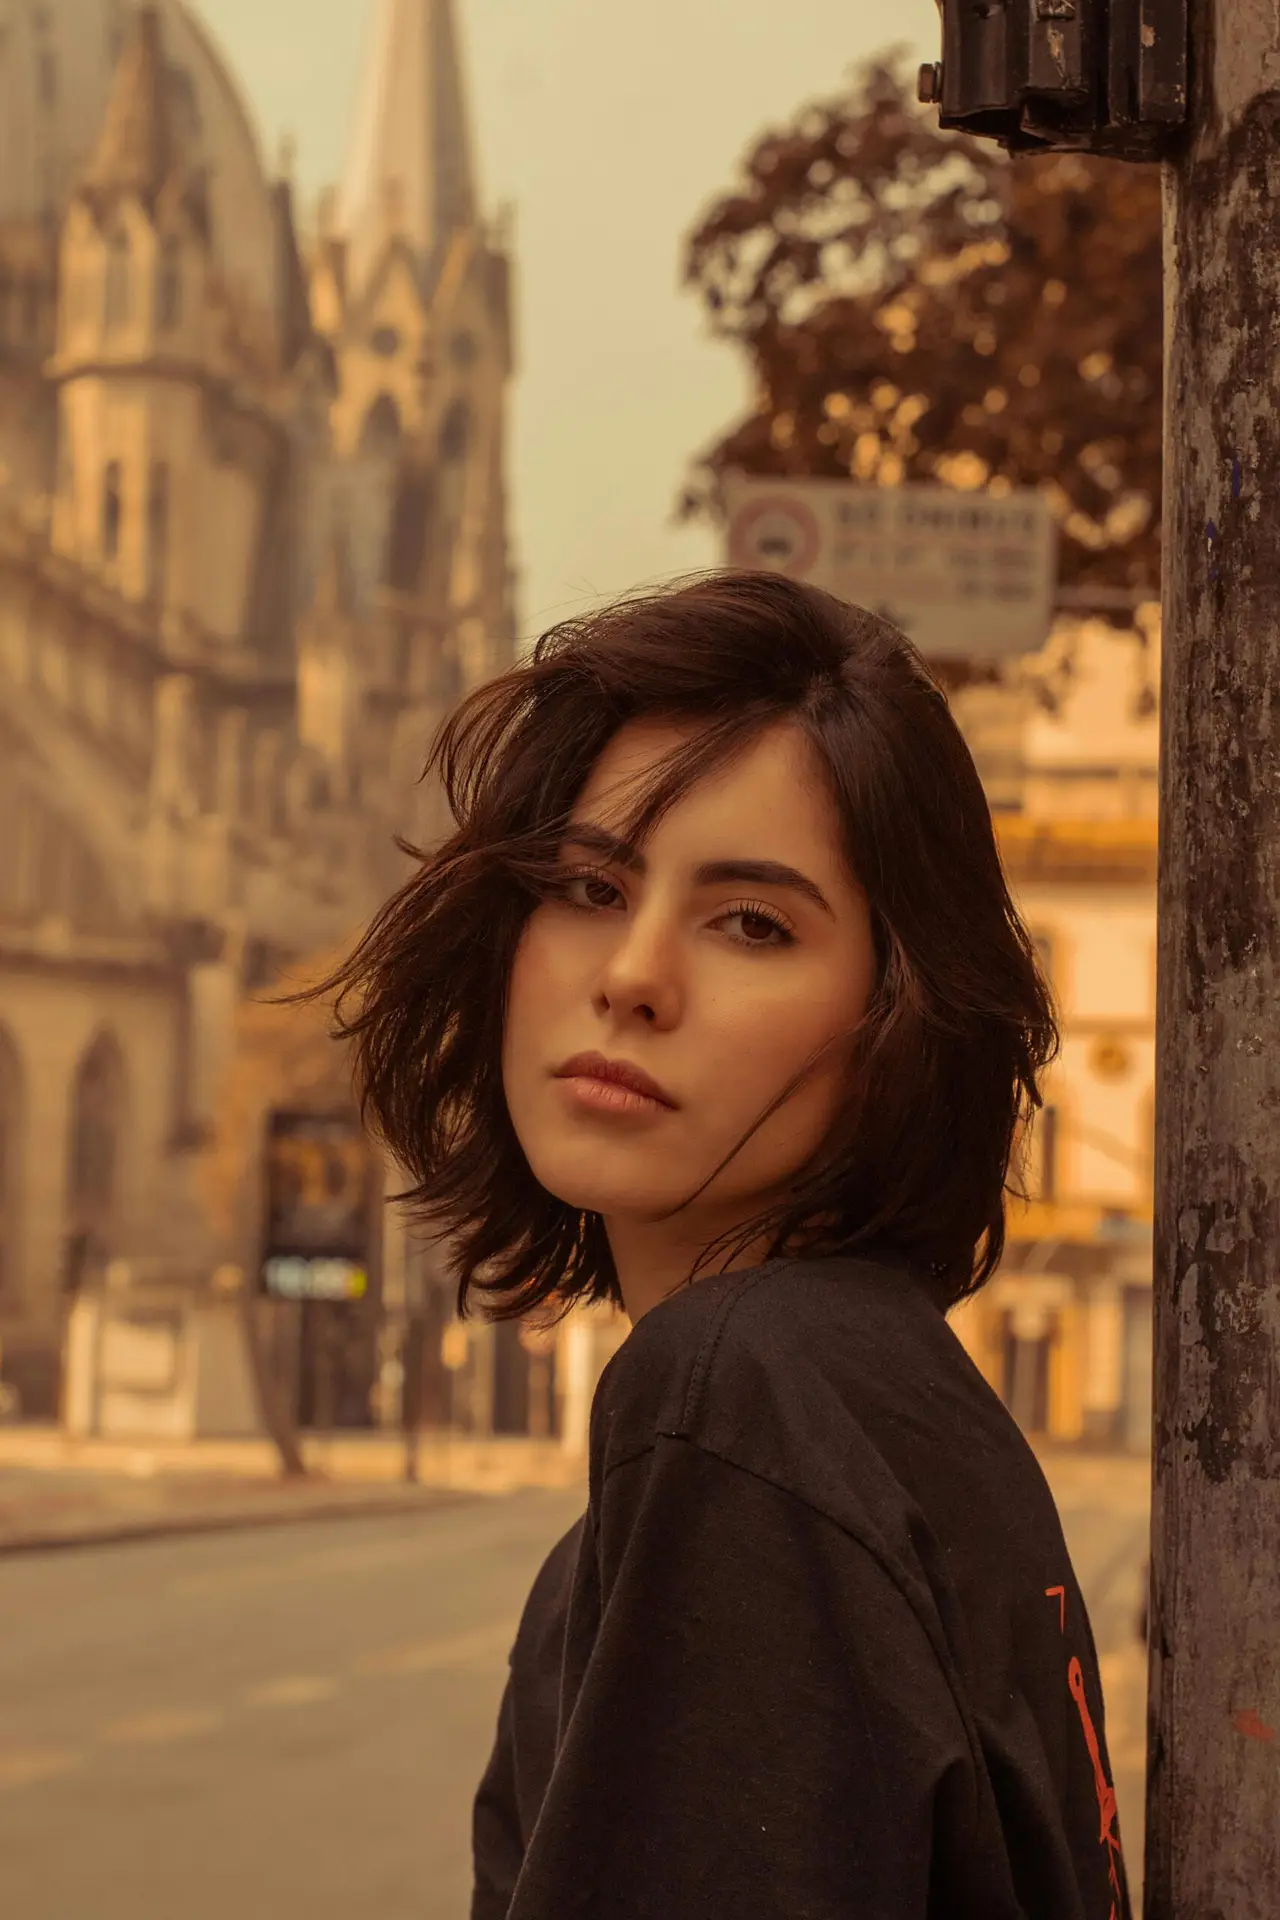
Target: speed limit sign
{"points": [[776, 533]]}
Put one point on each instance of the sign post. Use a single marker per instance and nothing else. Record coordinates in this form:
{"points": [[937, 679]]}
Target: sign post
{"points": [[966, 576]]}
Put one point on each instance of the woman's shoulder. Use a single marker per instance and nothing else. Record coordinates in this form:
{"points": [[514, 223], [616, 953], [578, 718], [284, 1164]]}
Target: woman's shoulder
{"points": [[837, 1380], [727, 1347]]}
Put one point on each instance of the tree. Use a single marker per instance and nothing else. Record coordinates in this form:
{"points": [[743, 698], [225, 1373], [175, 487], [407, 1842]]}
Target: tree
{"points": [[915, 306]]}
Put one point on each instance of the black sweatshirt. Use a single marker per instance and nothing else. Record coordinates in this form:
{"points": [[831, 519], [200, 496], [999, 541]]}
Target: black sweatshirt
{"points": [[816, 1650]]}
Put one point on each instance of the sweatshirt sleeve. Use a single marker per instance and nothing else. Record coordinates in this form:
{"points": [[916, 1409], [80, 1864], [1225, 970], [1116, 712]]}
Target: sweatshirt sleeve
{"points": [[760, 1729], [497, 1850]]}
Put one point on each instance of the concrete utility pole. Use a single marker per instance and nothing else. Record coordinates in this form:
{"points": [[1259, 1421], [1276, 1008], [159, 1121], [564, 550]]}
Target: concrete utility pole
{"points": [[1213, 1795], [1111, 77]]}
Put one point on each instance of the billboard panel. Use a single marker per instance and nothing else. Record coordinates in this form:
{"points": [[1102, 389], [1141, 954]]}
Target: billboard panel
{"points": [[320, 1195]]}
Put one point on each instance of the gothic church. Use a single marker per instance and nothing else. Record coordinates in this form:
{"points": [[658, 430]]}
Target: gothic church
{"points": [[252, 547]]}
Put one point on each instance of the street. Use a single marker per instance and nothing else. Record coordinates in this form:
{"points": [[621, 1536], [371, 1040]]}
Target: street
{"points": [[291, 1721], [267, 1724]]}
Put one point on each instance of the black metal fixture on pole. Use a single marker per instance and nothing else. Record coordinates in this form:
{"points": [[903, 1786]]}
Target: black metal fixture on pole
{"points": [[1097, 76]]}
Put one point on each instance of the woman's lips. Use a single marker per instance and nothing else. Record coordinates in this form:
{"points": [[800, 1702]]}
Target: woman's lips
{"points": [[609, 1096], [624, 1075]]}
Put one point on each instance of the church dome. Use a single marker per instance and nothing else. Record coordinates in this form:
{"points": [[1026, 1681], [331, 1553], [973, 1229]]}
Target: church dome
{"points": [[57, 61]]}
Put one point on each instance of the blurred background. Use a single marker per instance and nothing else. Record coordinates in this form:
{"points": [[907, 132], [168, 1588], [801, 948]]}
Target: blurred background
{"points": [[344, 346]]}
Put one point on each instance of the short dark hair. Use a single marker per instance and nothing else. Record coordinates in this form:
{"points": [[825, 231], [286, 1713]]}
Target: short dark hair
{"points": [[961, 1021]]}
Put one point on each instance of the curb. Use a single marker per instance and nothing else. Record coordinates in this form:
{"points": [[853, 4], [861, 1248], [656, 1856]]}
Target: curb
{"points": [[241, 1520]]}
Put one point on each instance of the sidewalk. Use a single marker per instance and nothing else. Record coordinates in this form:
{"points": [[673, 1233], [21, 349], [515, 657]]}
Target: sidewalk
{"points": [[58, 1492]]}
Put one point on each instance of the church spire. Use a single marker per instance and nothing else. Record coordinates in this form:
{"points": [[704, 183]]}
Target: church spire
{"points": [[410, 174], [136, 152]]}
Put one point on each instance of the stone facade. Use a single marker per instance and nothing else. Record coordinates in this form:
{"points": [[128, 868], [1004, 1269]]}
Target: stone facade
{"points": [[252, 548]]}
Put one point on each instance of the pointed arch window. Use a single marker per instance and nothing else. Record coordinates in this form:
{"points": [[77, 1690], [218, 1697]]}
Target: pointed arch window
{"points": [[32, 305], [119, 276], [455, 434], [114, 31], [169, 285], [47, 77], [380, 433], [96, 1139], [407, 537], [112, 510], [10, 1175], [157, 531]]}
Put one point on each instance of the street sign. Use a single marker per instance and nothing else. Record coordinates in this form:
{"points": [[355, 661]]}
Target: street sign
{"points": [[965, 575]]}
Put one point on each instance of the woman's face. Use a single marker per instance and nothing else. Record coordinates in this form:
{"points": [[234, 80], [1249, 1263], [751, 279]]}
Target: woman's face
{"points": [[716, 965]]}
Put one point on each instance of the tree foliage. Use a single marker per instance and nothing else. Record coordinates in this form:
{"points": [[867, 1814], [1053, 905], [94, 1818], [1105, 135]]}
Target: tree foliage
{"points": [[914, 305]]}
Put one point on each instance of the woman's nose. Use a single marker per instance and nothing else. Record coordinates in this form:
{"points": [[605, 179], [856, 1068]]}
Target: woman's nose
{"points": [[642, 974]]}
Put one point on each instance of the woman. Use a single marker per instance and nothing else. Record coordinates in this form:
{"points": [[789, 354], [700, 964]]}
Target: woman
{"points": [[715, 1006]]}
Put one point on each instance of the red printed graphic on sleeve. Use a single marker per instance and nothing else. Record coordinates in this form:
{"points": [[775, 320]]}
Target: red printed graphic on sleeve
{"points": [[1108, 1828]]}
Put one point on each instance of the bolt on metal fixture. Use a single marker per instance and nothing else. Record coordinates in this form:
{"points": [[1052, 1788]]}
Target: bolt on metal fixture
{"points": [[929, 83]]}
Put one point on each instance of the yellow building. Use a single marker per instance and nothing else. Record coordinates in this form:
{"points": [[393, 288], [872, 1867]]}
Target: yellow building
{"points": [[1063, 1331]]}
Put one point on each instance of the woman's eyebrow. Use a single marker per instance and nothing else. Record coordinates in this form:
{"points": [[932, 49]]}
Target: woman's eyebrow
{"points": [[712, 873]]}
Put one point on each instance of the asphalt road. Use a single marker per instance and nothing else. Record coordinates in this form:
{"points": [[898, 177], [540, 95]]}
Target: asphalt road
{"points": [[289, 1724], [272, 1725]]}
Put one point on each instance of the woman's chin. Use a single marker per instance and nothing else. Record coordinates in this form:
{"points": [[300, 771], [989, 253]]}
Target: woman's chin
{"points": [[621, 1200]]}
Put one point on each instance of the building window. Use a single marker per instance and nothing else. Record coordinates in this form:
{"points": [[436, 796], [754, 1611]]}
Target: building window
{"points": [[1045, 1162], [157, 532], [31, 305], [97, 1132], [1025, 1362], [6, 287], [169, 286], [116, 306], [380, 433], [1043, 944], [10, 1150], [456, 431], [114, 31], [185, 107], [111, 511], [47, 77], [407, 538]]}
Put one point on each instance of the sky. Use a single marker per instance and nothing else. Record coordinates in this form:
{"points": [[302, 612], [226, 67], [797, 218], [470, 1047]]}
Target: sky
{"points": [[608, 128]]}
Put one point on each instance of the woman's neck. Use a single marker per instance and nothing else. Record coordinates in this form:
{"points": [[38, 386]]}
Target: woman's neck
{"points": [[651, 1260]]}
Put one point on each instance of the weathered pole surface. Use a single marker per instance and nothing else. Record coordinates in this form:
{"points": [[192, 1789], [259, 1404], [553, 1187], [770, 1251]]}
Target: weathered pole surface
{"points": [[1213, 1808]]}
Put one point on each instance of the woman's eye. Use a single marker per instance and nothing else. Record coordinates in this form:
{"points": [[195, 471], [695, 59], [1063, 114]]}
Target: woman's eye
{"points": [[592, 892], [586, 889], [760, 929]]}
